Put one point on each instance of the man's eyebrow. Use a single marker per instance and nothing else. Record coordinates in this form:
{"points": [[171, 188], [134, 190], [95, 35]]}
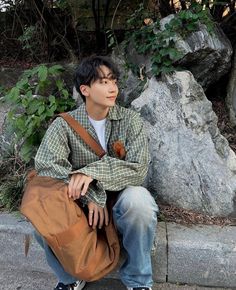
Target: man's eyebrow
{"points": [[109, 76]]}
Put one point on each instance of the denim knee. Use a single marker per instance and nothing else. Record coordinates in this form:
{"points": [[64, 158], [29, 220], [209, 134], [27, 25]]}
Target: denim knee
{"points": [[137, 204]]}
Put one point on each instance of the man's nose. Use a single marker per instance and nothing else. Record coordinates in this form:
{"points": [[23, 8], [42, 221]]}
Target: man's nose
{"points": [[113, 87]]}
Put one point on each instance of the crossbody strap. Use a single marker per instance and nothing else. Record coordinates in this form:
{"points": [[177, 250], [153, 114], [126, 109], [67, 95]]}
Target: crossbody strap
{"points": [[88, 139]]}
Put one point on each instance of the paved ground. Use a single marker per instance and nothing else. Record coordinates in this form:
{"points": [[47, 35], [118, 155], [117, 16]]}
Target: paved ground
{"points": [[15, 279], [197, 255]]}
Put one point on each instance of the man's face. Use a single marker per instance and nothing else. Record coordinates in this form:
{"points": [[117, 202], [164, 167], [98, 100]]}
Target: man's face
{"points": [[102, 92]]}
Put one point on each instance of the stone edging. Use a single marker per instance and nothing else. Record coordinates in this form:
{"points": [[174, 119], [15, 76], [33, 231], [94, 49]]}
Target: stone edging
{"points": [[201, 255]]}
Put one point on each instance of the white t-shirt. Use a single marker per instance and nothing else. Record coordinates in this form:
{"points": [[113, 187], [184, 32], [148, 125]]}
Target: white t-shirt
{"points": [[99, 126]]}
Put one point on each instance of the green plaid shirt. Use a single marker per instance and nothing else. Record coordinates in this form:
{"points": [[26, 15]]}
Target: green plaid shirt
{"points": [[62, 152]]}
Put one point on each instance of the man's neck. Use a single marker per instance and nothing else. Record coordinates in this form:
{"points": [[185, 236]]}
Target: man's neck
{"points": [[97, 113]]}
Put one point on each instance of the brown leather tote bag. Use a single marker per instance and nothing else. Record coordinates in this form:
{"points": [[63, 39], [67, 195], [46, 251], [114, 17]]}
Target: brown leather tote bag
{"points": [[84, 253]]}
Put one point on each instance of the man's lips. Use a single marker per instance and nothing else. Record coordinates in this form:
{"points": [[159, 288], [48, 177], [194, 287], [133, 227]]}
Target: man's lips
{"points": [[111, 98]]}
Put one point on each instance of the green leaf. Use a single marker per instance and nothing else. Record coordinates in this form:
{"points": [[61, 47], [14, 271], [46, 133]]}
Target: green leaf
{"points": [[167, 69], [26, 152], [41, 109], [42, 73], [163, 52], [173, 53], [65, 93], [52, 100], [29, 95], [43, 116], [167, 62], [111, 42], [25, 102], [55, 69], [59, 84], [156, 70], [13, 95], [53, 107], [156, 58], [50, 112], [33, 106], [191, 27], [20, 124], [62, 109], [23, 83], [10, 115]]}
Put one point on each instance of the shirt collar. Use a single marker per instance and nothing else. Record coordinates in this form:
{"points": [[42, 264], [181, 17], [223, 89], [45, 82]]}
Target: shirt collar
{"points": [[115, 113], [83, 116]]}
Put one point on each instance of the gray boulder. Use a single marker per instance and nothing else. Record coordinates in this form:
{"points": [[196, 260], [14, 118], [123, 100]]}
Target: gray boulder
{"points": [[192, 164], [206, 55], [231, 93]]}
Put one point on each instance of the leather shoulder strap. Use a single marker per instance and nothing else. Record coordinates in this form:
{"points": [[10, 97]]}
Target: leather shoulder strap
{"points": [[88, 139]]}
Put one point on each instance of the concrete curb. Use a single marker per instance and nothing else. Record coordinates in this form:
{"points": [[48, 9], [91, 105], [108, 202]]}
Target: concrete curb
{"points": [[202, 255]]}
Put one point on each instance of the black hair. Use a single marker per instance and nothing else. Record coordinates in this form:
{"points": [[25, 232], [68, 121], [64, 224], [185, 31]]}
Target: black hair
{"points": [[89, 71]]}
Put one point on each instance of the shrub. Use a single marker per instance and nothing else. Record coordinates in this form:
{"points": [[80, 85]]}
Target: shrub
{"points": [[33, 105]]}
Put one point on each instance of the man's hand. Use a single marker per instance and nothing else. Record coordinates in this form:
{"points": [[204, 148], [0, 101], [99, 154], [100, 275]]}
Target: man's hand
{"points": [[78, 185], [97, 214]]}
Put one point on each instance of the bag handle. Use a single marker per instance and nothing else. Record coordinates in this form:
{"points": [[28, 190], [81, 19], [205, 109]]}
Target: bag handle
{"points": [[88, 139]]}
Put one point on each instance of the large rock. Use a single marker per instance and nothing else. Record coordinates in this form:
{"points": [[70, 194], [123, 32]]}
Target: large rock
{"points": [[206, 55], [130, 85], [192, 165], [231, 93]]}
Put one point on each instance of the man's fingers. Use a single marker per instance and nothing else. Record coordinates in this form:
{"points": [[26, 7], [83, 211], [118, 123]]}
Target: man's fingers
{"points": [[91, 207], [95, 218], [78, 185], [87, 181], [106, 216], [73, 185], [85, 187], [101, 218], [90, 216]]}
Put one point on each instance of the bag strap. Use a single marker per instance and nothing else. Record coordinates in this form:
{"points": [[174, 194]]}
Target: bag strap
{"points": [[88, 139]]}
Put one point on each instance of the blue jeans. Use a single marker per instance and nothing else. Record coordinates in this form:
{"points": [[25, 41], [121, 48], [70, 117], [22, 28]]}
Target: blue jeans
{"points": [[135, 215]]}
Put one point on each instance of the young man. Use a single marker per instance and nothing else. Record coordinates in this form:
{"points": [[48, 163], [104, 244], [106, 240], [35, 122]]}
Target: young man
{"points": [[62, 154]]}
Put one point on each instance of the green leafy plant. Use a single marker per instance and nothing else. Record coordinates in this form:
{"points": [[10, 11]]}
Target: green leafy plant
{"points": [[33, 105], [135, 21], [27, 36], [160, 44], [112, 41], [32, 42]]}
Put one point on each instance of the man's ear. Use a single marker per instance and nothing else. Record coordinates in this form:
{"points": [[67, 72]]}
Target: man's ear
{"points": [[84, 90]]}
